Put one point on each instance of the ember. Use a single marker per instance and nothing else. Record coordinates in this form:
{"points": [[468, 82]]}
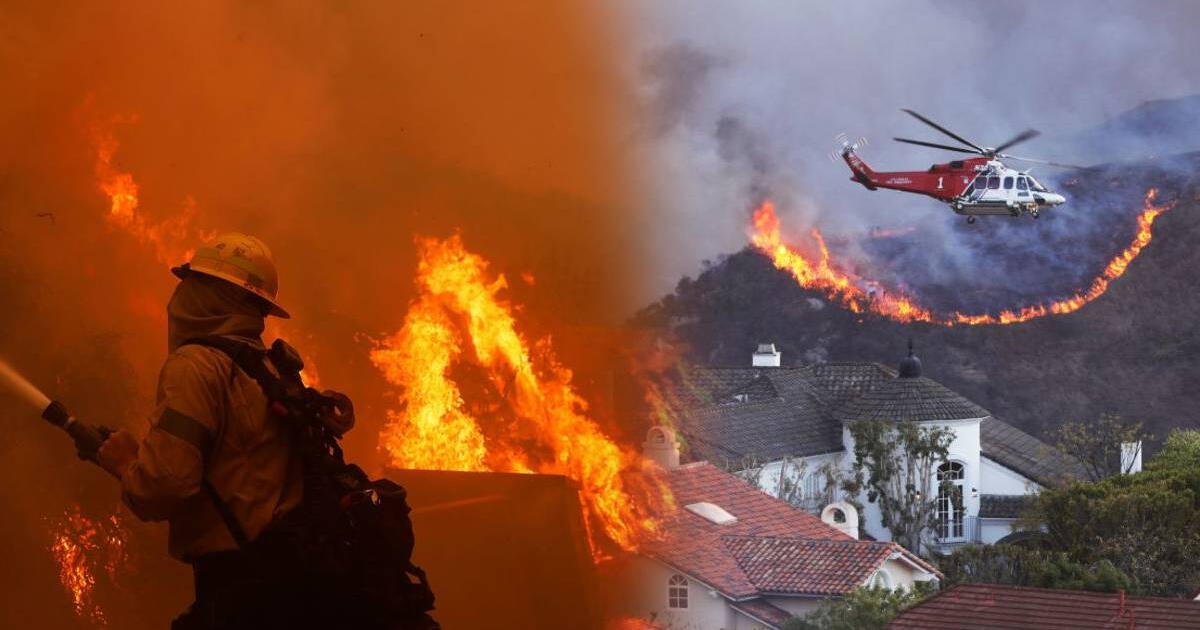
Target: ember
{"points": [[85, 547]]}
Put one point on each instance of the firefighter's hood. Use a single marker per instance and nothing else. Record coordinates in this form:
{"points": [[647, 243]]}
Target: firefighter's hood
{"points": [[208, 307]]}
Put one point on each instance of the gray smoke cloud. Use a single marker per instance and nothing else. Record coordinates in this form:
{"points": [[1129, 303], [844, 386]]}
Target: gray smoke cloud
{"points": [[742, 101]]}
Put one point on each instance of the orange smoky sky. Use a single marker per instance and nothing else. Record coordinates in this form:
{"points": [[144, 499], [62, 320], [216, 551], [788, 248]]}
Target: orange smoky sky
{"points": [[336, 132]]}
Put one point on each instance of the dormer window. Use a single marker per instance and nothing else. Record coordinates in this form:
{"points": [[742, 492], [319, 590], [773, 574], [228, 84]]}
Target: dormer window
{"points": [[677, 592]]}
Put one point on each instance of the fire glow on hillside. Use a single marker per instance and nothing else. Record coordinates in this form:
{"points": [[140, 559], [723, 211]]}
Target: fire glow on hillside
{"points": [[860, 295]]}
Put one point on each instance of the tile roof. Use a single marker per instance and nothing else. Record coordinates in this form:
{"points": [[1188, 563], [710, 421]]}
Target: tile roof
{"points": [[799, 411], [726, 556], [766, 429], [816, 567], [843, 381], [916, 398], [1019, 451], [1002, 505], [763, 611], [1003, 607]]}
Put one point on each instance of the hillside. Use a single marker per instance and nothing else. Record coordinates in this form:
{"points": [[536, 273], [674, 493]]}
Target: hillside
{"points": [[1134, 351]]}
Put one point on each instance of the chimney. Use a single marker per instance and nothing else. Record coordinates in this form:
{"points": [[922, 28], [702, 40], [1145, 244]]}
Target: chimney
{"points": [[766, 356], [661, 447], [841, 516], [1131, 457]]}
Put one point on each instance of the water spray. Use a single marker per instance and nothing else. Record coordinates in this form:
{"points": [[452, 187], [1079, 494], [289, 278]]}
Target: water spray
{"points": [[87, 437]]}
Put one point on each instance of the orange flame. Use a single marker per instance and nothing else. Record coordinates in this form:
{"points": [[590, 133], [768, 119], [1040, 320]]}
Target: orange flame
{"points": [[83, 546], [866, 296], [540, 423], [173, 239]]}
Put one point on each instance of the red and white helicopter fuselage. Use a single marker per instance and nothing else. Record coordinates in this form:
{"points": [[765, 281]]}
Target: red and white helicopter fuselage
{"points": [[973, 186]]}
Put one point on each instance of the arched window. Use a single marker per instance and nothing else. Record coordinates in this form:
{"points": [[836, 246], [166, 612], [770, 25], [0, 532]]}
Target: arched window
{"points": [[881, 579], [950, 500], [677, 591]]}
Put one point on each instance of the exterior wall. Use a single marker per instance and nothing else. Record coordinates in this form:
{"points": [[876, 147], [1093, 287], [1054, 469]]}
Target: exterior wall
{"points": [[997, 479], [769, 478], [645, 596], [903, 574], [993, 529]]}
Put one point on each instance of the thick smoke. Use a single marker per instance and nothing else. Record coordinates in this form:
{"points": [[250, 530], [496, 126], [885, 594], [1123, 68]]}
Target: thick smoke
{"points": [[747, 99], [335, 133]]}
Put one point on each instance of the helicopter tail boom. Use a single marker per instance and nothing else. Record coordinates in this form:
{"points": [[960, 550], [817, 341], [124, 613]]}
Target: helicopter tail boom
{"points": [[861, 172], [943, 182]]}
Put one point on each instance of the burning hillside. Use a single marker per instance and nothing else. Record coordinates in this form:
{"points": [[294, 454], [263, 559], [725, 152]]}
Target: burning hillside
{"points": [[863, 295], [1123, 348]]}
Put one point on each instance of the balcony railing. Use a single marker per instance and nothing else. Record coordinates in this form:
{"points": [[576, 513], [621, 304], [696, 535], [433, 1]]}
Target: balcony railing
{"points": [[971, 532]]}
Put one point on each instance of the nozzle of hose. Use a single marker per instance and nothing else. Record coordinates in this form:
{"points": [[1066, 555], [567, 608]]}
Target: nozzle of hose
{"points": [[56, 414]]}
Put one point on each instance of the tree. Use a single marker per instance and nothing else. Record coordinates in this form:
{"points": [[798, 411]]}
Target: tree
{"points": [[861, 609], [895, 464], [1024, 566], [1146, 524], [1100, 446], [1180, 450]]}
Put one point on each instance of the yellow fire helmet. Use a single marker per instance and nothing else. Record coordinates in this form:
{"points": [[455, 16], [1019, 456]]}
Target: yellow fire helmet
{"points": [[242, 260]]}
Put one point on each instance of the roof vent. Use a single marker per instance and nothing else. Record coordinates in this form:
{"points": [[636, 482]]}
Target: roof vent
{"points": [[712, 513], [766, 356]]}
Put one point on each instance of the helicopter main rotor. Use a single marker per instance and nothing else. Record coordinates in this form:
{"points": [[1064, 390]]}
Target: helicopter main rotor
{"points": [[989, 152]]}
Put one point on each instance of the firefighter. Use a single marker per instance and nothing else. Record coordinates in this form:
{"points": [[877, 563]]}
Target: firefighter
{"points": [[215, 459]]}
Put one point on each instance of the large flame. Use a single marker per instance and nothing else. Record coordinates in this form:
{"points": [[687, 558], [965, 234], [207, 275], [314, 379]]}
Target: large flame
{"points": [[818, 271], [84, 547], [539, 422]]}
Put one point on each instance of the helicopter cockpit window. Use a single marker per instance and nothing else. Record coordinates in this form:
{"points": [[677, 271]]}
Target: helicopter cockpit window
{"points": [[1008, 183], [1021, 185], [1035, 184], [993, 182]]}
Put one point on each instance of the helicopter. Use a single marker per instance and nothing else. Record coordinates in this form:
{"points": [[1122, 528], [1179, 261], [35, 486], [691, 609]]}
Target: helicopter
{"points": [[972, 186]]}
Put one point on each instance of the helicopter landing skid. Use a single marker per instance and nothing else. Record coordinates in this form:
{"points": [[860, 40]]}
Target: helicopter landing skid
{"points": [[992, 208]]}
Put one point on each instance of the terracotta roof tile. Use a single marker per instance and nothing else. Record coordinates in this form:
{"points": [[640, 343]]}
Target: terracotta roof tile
{"points": [[730, 557], [1001, 607], [816, 567]]}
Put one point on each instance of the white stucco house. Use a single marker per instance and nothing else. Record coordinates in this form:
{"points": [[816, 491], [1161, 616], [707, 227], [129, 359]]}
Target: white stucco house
{"points": [[792, 422], [735, 558]]}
